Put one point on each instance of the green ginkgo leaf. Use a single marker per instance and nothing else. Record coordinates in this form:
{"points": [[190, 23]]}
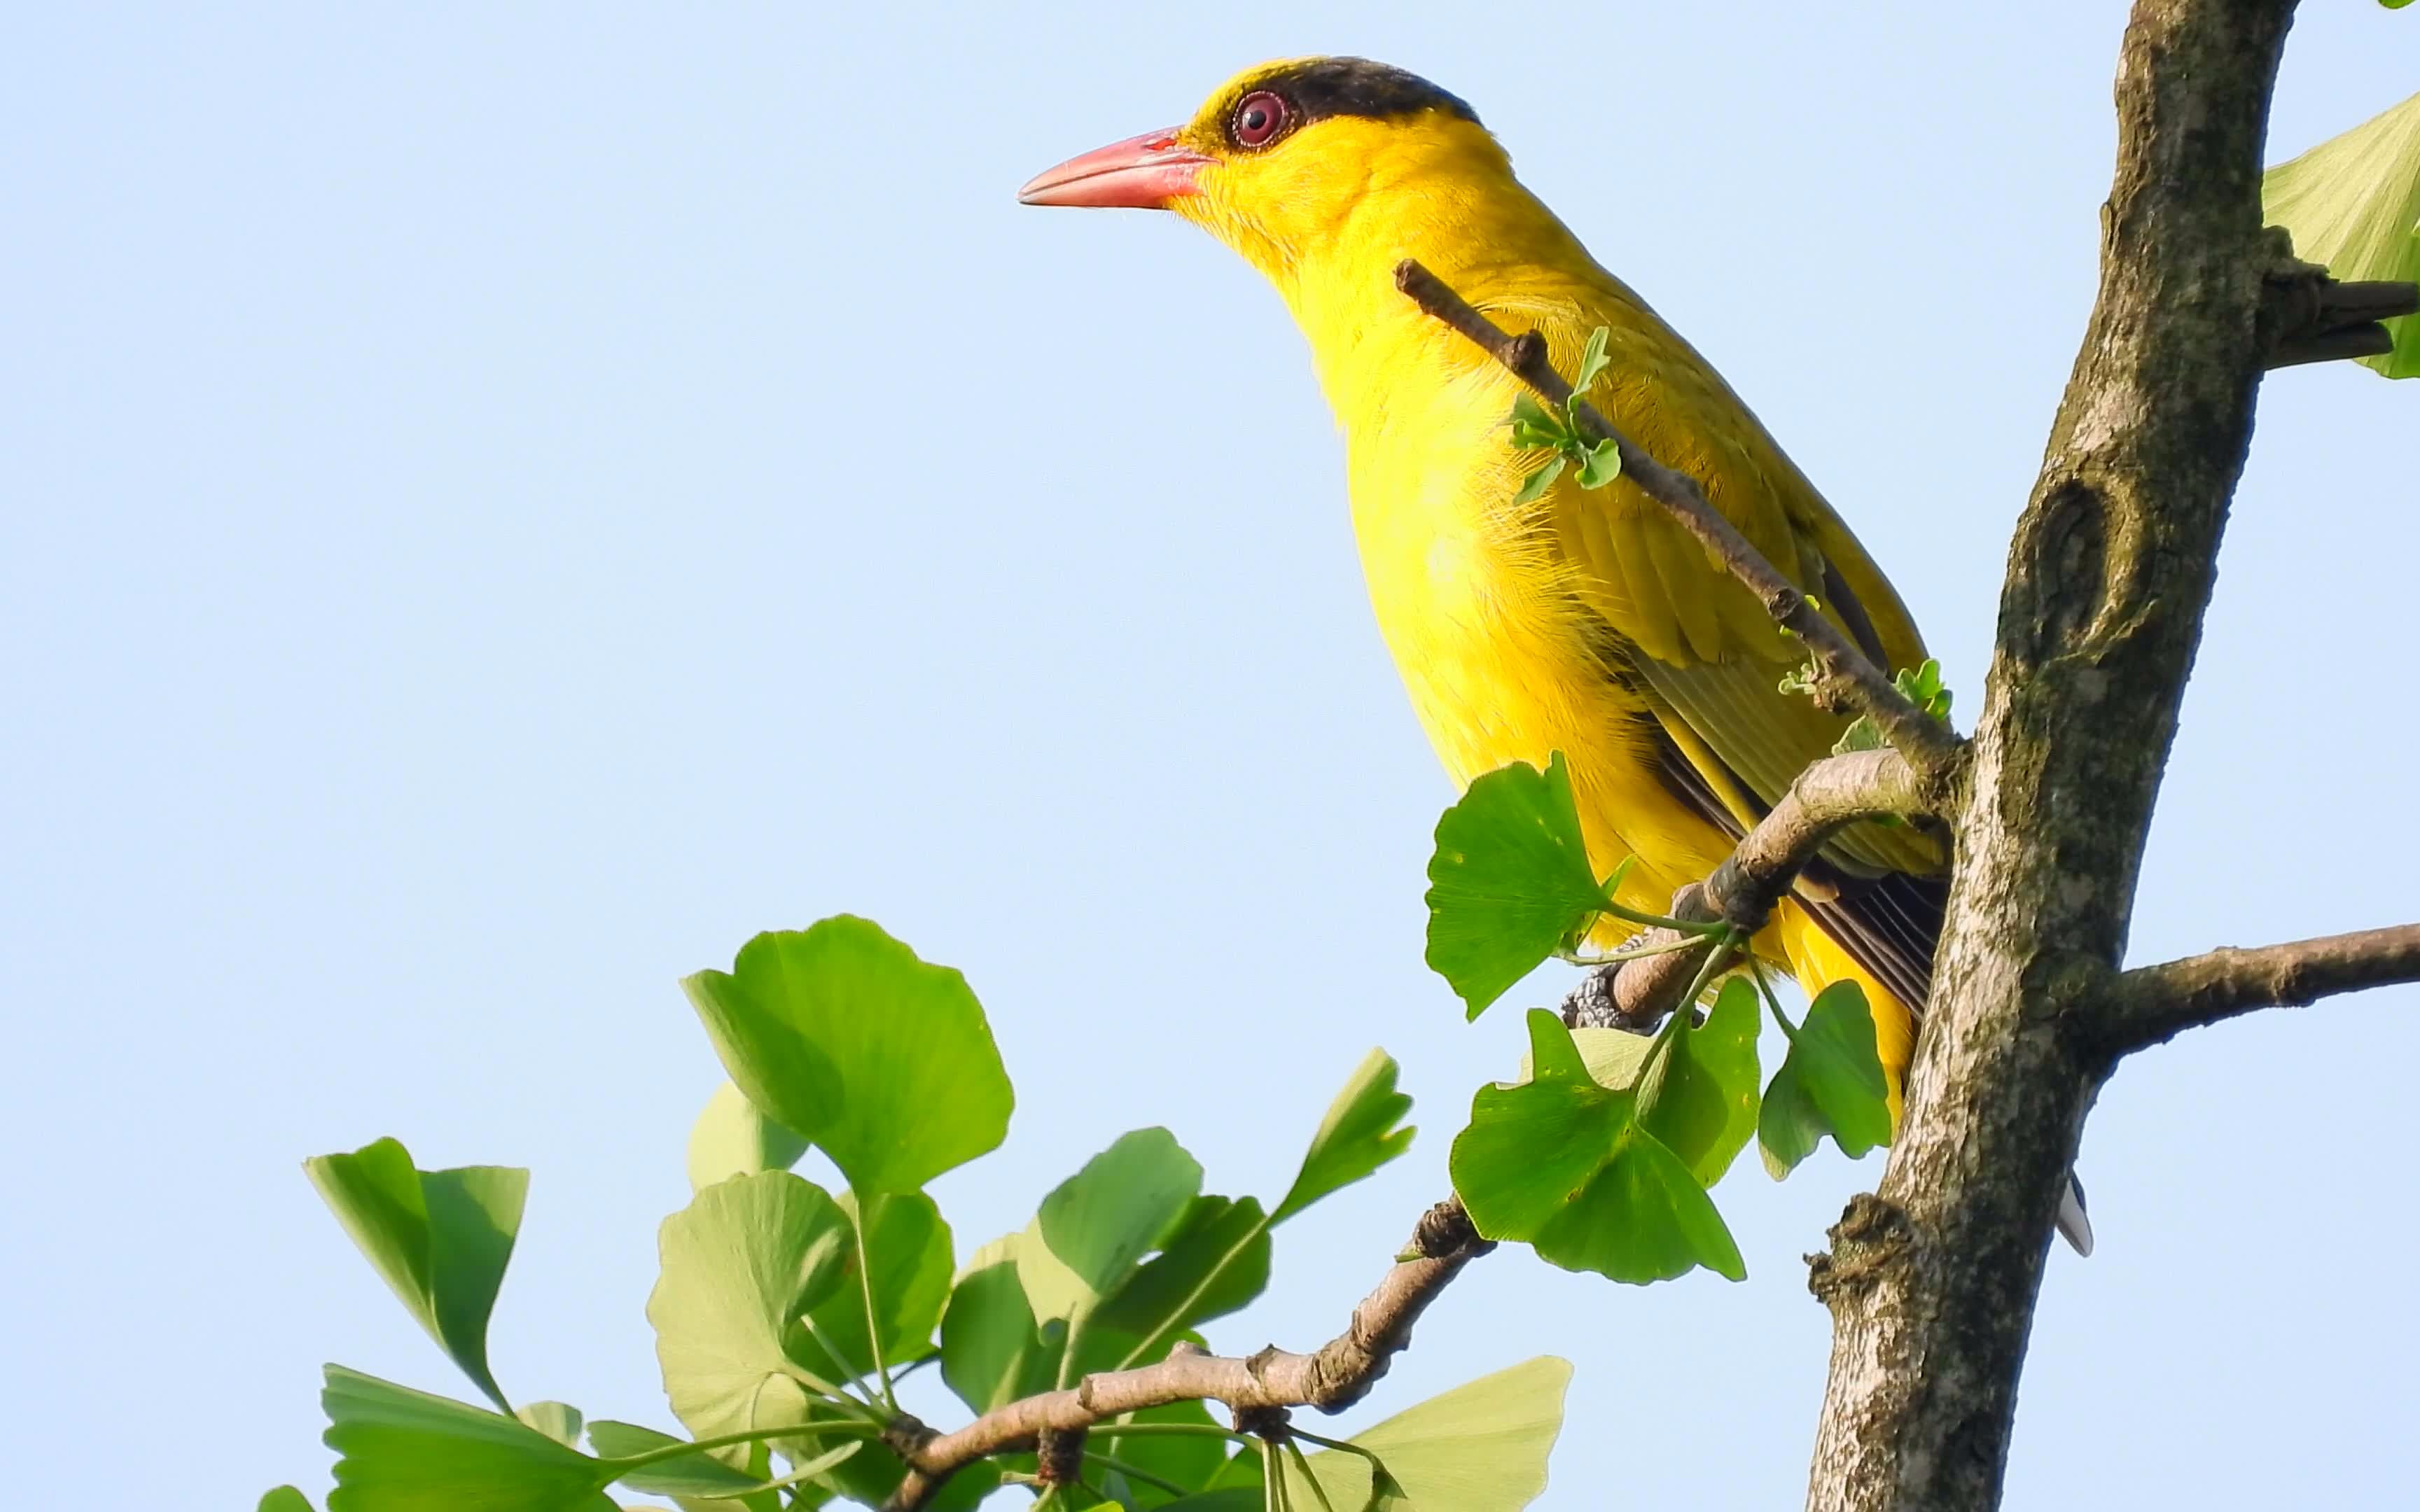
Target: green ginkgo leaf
{"points": [[1479, 1447], [401, 1450], [741, 1264], [841, 1034], [1830, 1083], [1363, 1130], [441, 1239], [1562, 1164], [1510, 881], [734, 1138]]}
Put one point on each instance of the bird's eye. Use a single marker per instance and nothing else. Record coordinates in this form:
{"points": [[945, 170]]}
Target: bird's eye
{"points": [[1259, 117]]}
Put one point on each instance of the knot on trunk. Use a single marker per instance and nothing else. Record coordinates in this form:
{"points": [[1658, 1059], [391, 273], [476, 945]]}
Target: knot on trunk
{"points": [[1871, 1238]]}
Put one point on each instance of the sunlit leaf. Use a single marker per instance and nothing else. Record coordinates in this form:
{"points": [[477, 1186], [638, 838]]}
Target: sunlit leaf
{"points": [[732, 1137], [739, 1265], [283, 1498], [559, 1421], [883, 1061], [1509, 883], [441, 1239], [1481, 1447], [2352, 204]]}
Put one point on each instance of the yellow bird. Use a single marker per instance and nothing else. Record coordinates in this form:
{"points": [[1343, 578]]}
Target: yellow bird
{"points": [[1586, 621]]}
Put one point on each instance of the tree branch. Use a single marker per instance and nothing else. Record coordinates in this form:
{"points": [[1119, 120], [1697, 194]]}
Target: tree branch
{"points": [[1331, 1378], [1833, 794], [1846, 678], [2152, 1004]]}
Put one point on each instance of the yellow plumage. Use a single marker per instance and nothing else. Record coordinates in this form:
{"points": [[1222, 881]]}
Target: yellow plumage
{"points": [[1586, 622]]}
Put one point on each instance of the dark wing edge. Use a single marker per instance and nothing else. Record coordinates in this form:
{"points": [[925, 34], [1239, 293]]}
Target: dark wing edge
{"points": [[1889, 924]]}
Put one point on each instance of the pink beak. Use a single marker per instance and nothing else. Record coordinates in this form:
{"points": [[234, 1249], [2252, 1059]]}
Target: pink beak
{"points": [[1143, 173]]}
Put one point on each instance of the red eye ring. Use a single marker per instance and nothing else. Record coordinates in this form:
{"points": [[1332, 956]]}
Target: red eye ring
{"points": [[1259, 117]]}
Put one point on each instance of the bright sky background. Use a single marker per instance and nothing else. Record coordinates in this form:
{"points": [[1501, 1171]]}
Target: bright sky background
{"points": [[505, 502]]}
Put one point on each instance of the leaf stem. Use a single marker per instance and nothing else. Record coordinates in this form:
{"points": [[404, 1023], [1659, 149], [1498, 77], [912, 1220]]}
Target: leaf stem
{"points": [[1788, 1030], [1628, 952], [866, 1290], [1201, 1289], [1132, 1471], [1647, 921], [1302, 1463], [1208, 1430], [728, 1441]]}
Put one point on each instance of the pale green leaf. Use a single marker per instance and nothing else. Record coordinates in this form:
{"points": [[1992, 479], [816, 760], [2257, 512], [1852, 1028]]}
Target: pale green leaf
{"points": [[1593, 360], [732, 1138], [2352, 204], [559, 1421], [739, 1265], [1481, 1447]]}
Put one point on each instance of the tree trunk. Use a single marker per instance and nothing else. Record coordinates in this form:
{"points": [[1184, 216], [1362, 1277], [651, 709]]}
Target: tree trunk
{"points": [[1932, 1282]]}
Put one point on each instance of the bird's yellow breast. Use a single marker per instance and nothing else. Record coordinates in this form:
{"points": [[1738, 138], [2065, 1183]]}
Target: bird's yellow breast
{"points": [[1477, 601]]}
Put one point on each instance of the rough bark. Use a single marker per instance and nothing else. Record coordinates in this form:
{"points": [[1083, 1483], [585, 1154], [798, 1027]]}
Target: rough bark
{"points": [[1933, 1282]]}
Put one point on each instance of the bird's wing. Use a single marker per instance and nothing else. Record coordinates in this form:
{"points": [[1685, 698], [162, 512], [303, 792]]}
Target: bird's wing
{"points": [[1694, 636]]}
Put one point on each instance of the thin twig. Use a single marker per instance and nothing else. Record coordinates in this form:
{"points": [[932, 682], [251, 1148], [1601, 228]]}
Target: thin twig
{"points": [[1845, 676], [2151, 1004], [1331, 1378], [1637, 994]]}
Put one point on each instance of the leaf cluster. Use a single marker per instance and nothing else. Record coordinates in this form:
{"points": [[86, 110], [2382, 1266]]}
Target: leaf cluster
{"points": [[1537, 428], [1601, 1157], [786, 1315]]}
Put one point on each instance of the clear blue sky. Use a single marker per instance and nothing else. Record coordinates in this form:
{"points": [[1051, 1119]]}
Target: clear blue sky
{"points": [[503, 503]]}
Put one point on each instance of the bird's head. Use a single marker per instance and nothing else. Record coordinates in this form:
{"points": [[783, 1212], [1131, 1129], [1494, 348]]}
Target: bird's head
{"points": [[1281, 157]]}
